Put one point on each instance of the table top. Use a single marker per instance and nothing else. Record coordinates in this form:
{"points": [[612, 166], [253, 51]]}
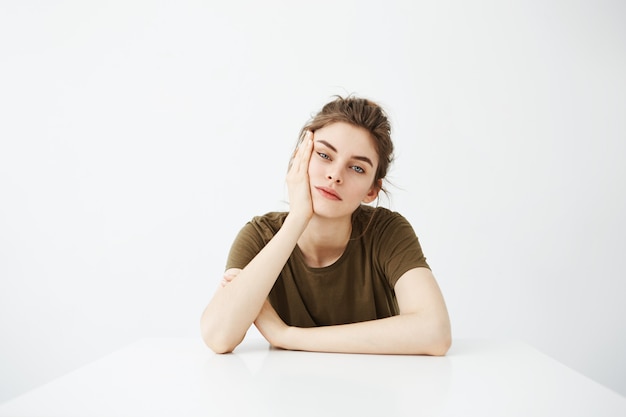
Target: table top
{"points": [[182, 377]]}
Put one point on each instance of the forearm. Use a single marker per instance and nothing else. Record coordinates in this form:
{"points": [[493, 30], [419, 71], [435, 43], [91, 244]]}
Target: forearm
{"points": [[403, 334], [234, 307]]}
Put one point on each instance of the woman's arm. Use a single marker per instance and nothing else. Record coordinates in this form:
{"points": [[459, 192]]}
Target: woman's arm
{"points": [[234, 307], [422, 327]]}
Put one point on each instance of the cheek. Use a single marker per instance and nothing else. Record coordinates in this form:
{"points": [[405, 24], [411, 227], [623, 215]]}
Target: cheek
{"points": [[314, 167], [363, 187]]}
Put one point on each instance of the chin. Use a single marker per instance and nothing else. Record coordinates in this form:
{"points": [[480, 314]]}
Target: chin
{"points": [[329, 212]]}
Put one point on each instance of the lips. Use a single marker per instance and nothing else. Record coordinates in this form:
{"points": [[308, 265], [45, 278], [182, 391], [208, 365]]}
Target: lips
{"points": [[328, 193]]}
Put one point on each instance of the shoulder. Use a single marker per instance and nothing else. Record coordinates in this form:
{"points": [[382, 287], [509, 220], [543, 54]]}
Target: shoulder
{"points": [[267, 224], [271, 219], [252, 237], [392, 240], [379, 220]]}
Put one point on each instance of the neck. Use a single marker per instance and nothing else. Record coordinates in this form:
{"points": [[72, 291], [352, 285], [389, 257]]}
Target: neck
{"points": [[324, 240]]}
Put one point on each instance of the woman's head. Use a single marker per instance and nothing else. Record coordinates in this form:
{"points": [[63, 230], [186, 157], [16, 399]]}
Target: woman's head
{"points": [[364, 114]]}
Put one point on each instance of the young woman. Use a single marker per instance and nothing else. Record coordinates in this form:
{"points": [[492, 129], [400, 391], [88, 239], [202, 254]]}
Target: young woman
{"points": [[333, 274]]}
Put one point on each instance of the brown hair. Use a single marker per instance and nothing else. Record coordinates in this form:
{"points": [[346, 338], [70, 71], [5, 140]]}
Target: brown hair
{"points": [[359, 112]]}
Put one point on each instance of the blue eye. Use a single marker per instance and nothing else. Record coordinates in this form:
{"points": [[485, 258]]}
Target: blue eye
{"points": [[358, 169]]}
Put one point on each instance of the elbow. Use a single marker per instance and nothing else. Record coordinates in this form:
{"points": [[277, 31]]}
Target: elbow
{"points": [[218, 344], [441, 345], [217, 339], [441, 341], [219, 347], [434, 340]]}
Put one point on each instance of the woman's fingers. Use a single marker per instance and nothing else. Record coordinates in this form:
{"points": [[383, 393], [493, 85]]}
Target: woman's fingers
{"points": [[303, 153], [300, 202], [229, 275]]}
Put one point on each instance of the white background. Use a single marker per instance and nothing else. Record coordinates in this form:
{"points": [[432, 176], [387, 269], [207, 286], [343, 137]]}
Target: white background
{"points": [[136, 138]]}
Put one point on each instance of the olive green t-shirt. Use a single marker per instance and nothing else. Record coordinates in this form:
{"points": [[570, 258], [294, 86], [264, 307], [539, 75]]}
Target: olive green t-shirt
{"points": [[359, 286]]}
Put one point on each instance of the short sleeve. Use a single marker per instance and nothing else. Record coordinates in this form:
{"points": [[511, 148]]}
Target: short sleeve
{"points": [[244, 248], [253, 237], [399, 248]]}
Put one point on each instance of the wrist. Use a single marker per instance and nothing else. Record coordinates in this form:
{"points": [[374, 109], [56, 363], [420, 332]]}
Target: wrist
{"points": [[297, 221]]}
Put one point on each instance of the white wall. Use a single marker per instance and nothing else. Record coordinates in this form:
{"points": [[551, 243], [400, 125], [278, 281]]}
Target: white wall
{"points": [[136, 138]]}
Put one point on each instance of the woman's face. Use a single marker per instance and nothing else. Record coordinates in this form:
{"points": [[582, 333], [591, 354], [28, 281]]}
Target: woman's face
{"points": [[342, 169]]}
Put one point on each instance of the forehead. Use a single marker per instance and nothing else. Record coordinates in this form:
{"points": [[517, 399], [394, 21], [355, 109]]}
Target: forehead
{"points": [[349, 139]]}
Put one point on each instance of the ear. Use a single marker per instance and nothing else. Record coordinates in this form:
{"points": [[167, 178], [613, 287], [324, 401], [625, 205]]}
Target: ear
{"points": [[373, 192]]}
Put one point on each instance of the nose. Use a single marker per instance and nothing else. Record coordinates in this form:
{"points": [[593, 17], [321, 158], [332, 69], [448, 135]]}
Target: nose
{"points": [[335, 178]]}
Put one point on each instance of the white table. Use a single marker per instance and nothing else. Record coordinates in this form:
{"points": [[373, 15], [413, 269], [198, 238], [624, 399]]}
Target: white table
{"points": [[182, 377]]}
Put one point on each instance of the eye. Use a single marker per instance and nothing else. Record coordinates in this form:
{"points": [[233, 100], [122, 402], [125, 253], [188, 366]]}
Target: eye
{"points": [[323, 155], [358, 169]]}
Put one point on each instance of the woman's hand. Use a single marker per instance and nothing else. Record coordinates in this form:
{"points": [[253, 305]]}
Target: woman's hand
{"points": [[229, 275], [271, 326], [300, 201]]}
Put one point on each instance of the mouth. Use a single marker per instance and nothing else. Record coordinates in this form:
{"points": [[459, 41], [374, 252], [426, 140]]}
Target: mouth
{"points": [[328, 193]]}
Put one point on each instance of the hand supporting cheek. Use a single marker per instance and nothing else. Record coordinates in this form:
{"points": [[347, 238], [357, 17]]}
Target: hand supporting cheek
{"points": [[300, 201]]}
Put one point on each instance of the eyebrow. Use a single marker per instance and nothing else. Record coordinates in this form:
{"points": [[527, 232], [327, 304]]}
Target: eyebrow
{"points": [[359, 158]]}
